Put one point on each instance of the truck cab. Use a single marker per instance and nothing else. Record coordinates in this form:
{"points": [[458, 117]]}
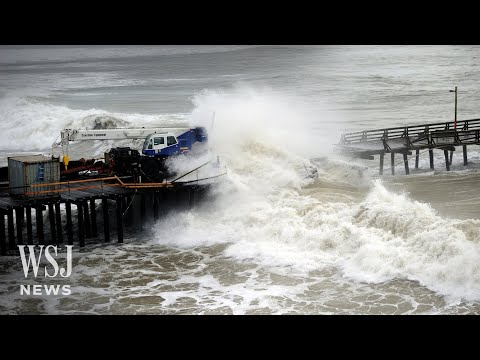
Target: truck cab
{"points": [[167, 144], [163, 144]]}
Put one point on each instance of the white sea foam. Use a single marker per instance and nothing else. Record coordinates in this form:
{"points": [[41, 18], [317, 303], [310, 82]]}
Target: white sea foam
{"points": [[31, 124], [265, 214]]}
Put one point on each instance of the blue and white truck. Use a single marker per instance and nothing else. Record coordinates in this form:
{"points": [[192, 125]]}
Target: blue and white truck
{"points": [[159, 145]]}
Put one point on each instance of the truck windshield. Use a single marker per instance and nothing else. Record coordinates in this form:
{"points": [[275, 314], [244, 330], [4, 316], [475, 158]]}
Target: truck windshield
{"points": [[171, 140]]}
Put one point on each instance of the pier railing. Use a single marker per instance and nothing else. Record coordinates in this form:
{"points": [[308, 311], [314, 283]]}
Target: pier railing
{"points": [[470, 128], [403, 140]]}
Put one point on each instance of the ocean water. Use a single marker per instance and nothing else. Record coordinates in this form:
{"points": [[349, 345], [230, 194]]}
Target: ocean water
{"points": [[293, 228]]}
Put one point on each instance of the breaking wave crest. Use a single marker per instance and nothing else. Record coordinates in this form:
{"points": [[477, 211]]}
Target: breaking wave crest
{"points": [[277, 209]]}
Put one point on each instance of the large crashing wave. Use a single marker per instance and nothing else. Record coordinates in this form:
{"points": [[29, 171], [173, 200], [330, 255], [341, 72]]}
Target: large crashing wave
{"points": [[274, 210], [30, 124]]}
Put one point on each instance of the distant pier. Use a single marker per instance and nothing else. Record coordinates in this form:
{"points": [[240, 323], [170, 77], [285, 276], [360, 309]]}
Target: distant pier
{"points": [[404, 140], [82, 199]]}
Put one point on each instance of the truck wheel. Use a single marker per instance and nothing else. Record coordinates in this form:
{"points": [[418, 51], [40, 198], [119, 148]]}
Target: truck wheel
{"points": [[151, 169]]}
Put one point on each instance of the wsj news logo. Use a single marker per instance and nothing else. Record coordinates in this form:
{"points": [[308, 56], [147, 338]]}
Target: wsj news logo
{"points": [[53, 272]]}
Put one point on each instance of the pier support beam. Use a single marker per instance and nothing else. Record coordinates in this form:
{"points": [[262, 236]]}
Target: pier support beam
{"points": [[51, 218], [465, 161], [11, 230], [392, 156], [106, 220], [125, 207], [28, 211], [68, 210], [405, 162], [447, 162], [3, 242], [39, 222], [417, 158], [88, 228], [19, 219], [119, 220], [430, 153], [81, 227], [382, 156], [93, 216], [451, 157], [58, 220]]}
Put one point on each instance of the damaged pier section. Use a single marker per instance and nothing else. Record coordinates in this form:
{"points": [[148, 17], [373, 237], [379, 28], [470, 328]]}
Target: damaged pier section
{"points": [[82, 204], [406, 140]]}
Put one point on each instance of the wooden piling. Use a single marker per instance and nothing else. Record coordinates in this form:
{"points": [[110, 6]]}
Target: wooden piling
{"points": [[3, 243], [28, 210], [430, 153], [81, 227], [68, 210], [447, 162], [417, 158], [11, 230], [405, 162], [19, 219], [119, 220], [106, 220], [86, 219], [51, 218], [142, 211], [465, 161], [392, 156], [58, 221], [382, 156], [451, 157], [93, 216], [39, 223], [125, 207]]}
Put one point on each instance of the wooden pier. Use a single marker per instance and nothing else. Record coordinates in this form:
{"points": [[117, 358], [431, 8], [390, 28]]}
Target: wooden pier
{"points": [[81, 200], [404, 140]]}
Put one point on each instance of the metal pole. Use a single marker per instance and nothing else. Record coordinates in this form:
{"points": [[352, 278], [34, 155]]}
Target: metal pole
{"points": [[455, 121]]}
